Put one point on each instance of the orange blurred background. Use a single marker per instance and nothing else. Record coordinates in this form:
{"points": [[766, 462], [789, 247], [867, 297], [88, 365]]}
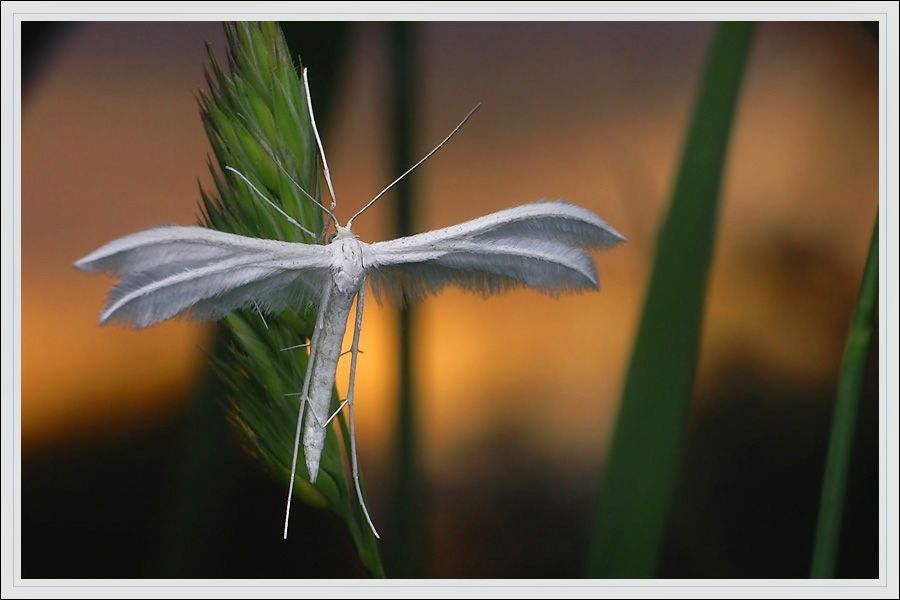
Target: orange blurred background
{"points": [[591, 112]]}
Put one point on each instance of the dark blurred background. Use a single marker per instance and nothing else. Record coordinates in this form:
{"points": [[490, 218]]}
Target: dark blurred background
{"points": [[516, 395]]}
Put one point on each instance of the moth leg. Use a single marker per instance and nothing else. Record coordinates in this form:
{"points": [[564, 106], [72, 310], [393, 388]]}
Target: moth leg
{"points": [[304, 345], [327, 421], [337, 410], [354, 351], [335, 413], [315, 415], [259, 312], [324, 424], [303, 397]]}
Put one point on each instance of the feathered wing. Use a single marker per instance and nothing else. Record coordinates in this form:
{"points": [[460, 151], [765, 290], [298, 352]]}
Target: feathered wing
{"points": [[170, 271], [543, 245]]}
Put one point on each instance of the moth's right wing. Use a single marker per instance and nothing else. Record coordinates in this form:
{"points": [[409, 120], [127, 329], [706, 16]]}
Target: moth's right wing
{"points": [[542, 245], [204, 273]]}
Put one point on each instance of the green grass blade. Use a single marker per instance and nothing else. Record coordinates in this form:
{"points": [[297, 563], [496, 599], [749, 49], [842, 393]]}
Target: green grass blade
{"points": [[850, 387], [634, 500], [256, 118], [409, 540]]}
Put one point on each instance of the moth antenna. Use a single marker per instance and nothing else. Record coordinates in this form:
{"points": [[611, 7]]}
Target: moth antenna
{"points": [[305, 193], [277, 162], [412, 168], [270, 203], [312, 119]]}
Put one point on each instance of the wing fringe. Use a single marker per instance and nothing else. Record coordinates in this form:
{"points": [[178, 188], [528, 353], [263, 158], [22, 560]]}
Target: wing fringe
{"points": [[543, 245], [204, 274]]}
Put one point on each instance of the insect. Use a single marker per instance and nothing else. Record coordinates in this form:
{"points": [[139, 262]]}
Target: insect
{"points": [[172, 271]]}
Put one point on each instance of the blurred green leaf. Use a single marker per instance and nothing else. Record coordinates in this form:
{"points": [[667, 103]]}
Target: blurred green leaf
{"points": [[850, 389], [255, 115], [633, 506]]}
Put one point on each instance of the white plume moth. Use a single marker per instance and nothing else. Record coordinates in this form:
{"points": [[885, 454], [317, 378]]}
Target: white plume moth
{"points": [[200, 272]]}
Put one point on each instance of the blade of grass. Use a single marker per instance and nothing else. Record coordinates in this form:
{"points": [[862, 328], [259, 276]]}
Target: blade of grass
{"points": [[408, 546], [254, 112], [840, 446], [323, 46], [634, 500]]}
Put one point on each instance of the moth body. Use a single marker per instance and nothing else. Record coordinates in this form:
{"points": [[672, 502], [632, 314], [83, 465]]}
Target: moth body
{"points": [[347, 274], [332, 326]]}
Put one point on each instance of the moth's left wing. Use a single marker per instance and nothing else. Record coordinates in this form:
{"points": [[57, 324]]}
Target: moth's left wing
{"points": [[200, 272], [542, 245]]}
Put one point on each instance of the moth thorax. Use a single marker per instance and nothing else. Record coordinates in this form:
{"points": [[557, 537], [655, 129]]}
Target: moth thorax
{"points": [[347, 266]]}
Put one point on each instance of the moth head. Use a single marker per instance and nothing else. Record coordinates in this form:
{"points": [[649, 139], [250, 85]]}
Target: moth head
{"points": [[341, 232]]}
